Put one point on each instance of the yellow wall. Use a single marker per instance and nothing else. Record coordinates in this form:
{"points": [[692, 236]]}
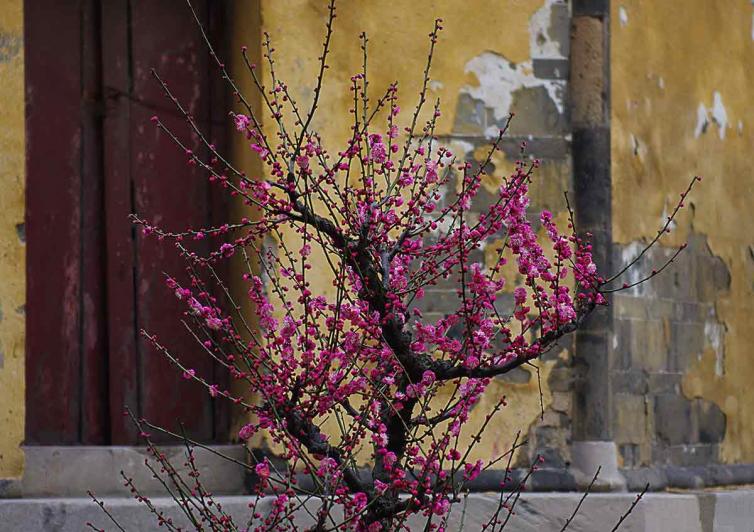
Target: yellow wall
{"points": [[478, 35], [674, 66], [12, 256]]}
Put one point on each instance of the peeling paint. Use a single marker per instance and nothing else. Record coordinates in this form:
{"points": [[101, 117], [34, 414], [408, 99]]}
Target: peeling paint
{"points": [[716, 114], [719, 115], [623, 16], [701, 121], [714, 332], [548, 36], [664, 38], [499, 79], [629, 253], [10, 46]]}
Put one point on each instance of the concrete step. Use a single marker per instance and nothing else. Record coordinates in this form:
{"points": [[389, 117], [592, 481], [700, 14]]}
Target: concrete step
{"points": [[700, 511]]}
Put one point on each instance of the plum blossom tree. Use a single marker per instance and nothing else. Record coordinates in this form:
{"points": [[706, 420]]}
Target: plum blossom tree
{"points": [[376, 218]]}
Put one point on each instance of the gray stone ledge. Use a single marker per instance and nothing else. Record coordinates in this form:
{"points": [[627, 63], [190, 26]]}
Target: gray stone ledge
{"points": [[713, 511], [53, 471], [663, 477], [69, 471]]}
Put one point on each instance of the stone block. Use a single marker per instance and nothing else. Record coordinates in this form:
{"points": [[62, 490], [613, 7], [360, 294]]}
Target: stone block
{"points": [[665, 382], [534, 512], [710, 421], [630, 425], [650, 345], [629, 454], [686, 344], [632, 381], [561, 379], [621, 343], [69, 471], [692, 455], [536, 114], [673, 420], [561, 402], [689, 311], [439, 301], [470, 116]]}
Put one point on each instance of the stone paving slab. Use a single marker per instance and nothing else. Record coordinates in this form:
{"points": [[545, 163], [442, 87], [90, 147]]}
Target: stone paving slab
{"points": [[706, 511]]}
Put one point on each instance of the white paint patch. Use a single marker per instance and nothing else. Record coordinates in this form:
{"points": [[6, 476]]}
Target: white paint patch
{"points": [[661, 82], [636, 147], [499, 79], [541, 46], [622, 16], [716, 114], [701, 121], [714, 333], [664, 217], [461, 148], [435, 85], [635, 273]]}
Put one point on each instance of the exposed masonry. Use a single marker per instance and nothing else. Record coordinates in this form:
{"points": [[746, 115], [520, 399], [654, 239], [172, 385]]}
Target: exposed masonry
{"points": [[548, 436], [536, 91], [661, 329]]}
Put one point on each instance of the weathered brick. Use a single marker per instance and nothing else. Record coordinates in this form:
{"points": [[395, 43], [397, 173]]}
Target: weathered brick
{"points": [[649, 345], [629, 452], [710, 421], [536, 114], [470, 116], [687, 455], [517, 376], [689, 311], [633, 381], [630, 424], [550, 68], [660, 308], [686, 344], [561, 379], [621, 344], [439, 301], [561, 402], [665, 382], [673, 421], [627, 306]]}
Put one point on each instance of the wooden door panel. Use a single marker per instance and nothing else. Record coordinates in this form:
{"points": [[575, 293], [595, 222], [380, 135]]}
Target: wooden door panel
{"points": [[93, 157]]}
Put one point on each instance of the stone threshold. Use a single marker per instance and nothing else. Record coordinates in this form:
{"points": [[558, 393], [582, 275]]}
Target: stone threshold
{"points": [[703, 511], [70, 471]]}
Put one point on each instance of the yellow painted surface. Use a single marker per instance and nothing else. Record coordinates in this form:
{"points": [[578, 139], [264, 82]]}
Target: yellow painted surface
{"points": [[672, 64], [398, 46], [12, 255]]}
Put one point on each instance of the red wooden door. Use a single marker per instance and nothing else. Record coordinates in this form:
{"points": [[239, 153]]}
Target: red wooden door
{"points": [[93, 157]]}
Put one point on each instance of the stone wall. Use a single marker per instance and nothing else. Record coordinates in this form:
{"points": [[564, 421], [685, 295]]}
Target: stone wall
{"points": [[666, 88], [493, 58], [681, 106]]}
